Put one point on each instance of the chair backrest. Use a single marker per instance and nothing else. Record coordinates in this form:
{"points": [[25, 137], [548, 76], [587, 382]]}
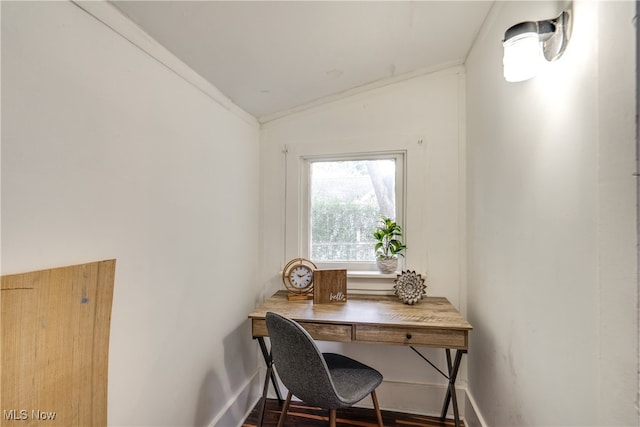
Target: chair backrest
{"points": [[299, 363]]}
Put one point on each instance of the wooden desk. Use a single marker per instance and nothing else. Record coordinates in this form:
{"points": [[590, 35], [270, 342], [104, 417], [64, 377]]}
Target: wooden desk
{"points": [[433, 322]]}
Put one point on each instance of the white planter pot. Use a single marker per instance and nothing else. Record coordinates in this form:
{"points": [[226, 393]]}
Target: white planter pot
{"points": [[387, 265]]}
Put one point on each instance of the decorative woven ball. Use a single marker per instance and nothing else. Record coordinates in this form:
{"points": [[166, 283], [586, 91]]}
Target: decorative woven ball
{"points": [[410, 287]]}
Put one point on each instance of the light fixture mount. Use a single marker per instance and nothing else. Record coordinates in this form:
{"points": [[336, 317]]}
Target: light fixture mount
{"points": [[553, 33], [524, 43]]}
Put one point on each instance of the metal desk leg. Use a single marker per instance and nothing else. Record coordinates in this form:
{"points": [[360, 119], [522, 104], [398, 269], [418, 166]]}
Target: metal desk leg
{"points": [[263, 400], [269, 363], [451, 389], [270, 375]]}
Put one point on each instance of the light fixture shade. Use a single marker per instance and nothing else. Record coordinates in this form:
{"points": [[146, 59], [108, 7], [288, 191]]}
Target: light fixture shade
{"points": [[529, 44], [522, 55]]}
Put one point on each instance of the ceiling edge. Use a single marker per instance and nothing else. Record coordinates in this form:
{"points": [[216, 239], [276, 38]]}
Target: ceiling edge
{"points": [[110, 16], [452, 66], [487, 25]]}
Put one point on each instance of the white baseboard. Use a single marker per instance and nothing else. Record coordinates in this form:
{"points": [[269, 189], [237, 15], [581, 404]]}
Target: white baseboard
{"points": [[427, 399], [473, 415], [239, 405], [414, 398]]}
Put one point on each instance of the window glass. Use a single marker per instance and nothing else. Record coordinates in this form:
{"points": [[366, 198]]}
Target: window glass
{"points": [[346, 199]]}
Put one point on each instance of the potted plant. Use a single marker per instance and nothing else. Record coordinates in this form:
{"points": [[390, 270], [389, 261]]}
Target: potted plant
{"points": [[389, 245]]}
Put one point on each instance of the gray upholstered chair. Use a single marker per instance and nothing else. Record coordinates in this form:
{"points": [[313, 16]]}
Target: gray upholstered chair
{"points": [[326, 380]]}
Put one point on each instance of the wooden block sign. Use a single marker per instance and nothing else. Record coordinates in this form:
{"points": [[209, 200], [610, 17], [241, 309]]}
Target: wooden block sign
{"points": [[329, 286]]}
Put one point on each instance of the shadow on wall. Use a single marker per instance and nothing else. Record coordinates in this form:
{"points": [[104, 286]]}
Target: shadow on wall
{"points": [[209, 399], [226, 397], [492, 364]]}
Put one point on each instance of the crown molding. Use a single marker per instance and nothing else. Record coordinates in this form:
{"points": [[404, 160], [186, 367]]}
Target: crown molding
{"points": [[110, 16], [445, 68]]}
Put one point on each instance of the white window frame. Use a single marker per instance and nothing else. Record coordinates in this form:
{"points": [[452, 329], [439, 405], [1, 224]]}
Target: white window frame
{"points": [[414, 145], [305, 224]]}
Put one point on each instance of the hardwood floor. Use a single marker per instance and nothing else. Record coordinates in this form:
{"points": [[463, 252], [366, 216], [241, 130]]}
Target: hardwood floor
{"points": [[302, 415]]}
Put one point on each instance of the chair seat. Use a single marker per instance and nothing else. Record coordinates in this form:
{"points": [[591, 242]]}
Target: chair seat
{"points": [[353, 380]]}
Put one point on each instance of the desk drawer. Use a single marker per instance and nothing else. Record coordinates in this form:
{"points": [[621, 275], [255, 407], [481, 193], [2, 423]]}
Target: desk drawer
{"points": [[415, 336], [329, 332], [319, 331]]}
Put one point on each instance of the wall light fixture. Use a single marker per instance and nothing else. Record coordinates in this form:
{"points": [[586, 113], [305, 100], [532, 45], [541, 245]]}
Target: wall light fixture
{"points": [[528, 43]]}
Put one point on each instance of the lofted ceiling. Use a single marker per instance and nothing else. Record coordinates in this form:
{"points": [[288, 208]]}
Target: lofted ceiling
{"points": [[271, 57]]}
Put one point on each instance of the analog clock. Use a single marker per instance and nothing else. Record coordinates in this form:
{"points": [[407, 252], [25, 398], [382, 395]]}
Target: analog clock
{"points": [[297, 276], [301, 276]]}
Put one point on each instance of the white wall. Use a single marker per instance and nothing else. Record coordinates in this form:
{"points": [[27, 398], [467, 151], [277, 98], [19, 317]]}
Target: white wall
{"points": [[106, 153], [430, 108], [552, 289]]}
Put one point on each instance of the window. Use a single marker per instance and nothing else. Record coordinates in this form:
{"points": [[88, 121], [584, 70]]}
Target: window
{"points": [[319, 171], [344, 198]]}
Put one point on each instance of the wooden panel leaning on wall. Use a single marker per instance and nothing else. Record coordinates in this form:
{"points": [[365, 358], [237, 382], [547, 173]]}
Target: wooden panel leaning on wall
{"points": [[55, 346]]}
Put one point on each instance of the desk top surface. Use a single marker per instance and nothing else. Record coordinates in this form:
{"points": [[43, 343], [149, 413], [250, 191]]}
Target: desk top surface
{"points": [[430, 312]]}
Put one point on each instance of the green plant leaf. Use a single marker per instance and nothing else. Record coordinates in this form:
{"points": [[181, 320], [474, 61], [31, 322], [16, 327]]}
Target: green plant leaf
{"points": [[387, 234]]}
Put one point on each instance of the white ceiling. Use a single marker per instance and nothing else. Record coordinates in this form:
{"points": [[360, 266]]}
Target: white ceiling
{"points": [[274, 56]]}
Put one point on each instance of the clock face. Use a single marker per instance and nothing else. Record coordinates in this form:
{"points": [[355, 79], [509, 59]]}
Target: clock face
{"points": [[301, 276], [297, 276]]}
